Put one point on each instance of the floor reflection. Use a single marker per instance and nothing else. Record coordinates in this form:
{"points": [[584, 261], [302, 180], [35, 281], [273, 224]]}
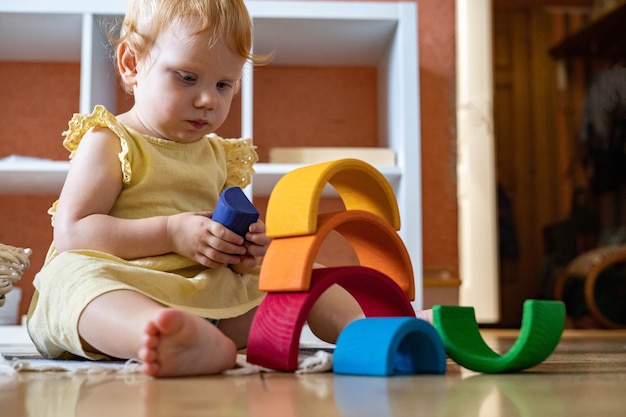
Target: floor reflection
{"points": [[573, 382]]}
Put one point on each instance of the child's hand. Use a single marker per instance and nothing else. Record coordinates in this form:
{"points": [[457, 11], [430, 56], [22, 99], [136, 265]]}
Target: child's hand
{"points": [[198, 237], [256, 244]]}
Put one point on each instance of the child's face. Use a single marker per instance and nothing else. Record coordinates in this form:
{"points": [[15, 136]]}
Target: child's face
{"points": [[184, 89]]}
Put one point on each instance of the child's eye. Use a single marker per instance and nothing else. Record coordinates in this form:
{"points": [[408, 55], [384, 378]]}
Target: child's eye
{"points": [[224, 85], [187, 77]]}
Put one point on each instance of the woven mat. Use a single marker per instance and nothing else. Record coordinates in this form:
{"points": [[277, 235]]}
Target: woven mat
{"points": [[11, 365], [308, 362]]}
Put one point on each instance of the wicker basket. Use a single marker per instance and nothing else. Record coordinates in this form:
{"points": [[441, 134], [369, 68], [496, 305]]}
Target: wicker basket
{"points": [[13, 262], [587, 268]]}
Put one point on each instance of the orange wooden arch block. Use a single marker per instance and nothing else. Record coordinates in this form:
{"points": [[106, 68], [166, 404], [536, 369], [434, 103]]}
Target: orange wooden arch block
{"points": [[293, 205], [288, 263], [275, 332]]}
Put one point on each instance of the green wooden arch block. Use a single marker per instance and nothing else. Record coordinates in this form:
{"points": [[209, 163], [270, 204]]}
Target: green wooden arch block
{"points": [[543, 322]]}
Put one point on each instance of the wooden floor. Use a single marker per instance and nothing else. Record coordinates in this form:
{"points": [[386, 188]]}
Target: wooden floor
{"points": [[586, 376]]}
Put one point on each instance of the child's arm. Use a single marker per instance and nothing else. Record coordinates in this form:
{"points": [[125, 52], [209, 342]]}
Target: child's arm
{"points": [[92, 186]]}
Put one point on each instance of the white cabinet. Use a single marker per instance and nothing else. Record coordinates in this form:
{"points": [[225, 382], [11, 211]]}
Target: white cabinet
{"points": [[309, 33]]}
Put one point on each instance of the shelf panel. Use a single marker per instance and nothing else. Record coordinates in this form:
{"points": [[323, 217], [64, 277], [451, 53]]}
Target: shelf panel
{"points": [[32, 176], [58, 37], [64, 6], [267, 175], [47, 177], [314, 42], [301, 33], [43, 30]]}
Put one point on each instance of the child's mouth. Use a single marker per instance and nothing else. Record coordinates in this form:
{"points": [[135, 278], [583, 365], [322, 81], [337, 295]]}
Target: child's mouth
{"points": [[198, 124]]}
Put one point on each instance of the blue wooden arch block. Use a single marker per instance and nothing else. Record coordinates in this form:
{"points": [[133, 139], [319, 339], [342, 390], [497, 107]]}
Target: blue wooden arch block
{"points": [[386, 346], [235, 211]]}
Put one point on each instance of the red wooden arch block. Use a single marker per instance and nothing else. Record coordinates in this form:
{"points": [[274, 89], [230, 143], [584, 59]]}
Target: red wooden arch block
{"points": [[288, 263], [275, 333]]}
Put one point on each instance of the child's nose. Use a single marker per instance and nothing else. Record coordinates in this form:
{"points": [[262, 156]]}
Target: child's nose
{"points": [[207, 98]]}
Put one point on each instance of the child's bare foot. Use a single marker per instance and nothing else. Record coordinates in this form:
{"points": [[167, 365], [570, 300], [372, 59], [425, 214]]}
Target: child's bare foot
{"points": [[177, 343]]}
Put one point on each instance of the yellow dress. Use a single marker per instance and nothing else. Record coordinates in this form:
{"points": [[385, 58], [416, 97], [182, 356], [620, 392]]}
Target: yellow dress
{"points": [[160, 177]]}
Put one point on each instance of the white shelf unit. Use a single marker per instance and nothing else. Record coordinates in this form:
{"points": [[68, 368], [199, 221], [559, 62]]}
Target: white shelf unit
{"points": [[307, 33]]}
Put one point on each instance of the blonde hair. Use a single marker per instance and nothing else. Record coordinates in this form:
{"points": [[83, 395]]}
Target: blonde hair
{"points": [[224, 19]]}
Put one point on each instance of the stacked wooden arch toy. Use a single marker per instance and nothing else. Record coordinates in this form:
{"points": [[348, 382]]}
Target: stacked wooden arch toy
{"points": [[382, 284], [390, 340]]}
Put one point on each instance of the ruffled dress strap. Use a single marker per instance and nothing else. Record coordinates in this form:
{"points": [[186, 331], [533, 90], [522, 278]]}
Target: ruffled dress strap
{"points": [[100, 117], [79, 124], [240, 158]]}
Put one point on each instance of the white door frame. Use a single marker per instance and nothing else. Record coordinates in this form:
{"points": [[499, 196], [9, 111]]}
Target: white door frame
{"points": [[478, 241]]}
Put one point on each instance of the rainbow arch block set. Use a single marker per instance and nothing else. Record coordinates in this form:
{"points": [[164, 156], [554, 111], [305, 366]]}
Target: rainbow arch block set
{"points": [[390, 340]]}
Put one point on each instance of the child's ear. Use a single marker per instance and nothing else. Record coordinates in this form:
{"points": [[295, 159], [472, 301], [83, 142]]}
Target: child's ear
{"points": [[127, 64]]}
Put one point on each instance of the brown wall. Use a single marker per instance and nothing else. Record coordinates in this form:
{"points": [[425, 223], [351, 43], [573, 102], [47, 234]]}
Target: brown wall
{"points": [[37, 100]]}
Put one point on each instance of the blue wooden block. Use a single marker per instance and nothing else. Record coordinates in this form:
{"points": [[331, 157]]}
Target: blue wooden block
{"points": [[235, 211], [386, 346]]}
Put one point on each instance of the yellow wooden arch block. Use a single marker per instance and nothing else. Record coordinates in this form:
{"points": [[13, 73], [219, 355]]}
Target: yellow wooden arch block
{"points": [[288, 263], [293, 205]]}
